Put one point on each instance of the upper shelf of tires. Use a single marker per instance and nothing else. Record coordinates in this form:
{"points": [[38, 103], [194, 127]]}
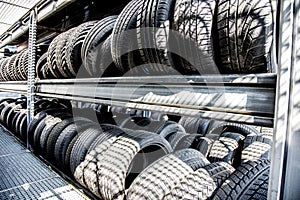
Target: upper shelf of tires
{"points": [[166, 37], [193, 46]]}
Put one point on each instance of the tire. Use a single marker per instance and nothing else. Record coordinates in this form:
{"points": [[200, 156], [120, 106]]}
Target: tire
{"points": [[105, 61], [197, 185], [45, 135], [244, 36], [81, 146], [62, 54], [142, 148], [3, 104], [193, 25], [144, 123], [92, 44], [17, 129], [59, 52], [250, 133], [65, 139], [67, 162], [249, 181], [24, 65], [5, 111], [86, 172], [5, 71], [1, 63], [267, 135], [194, 125], [10, 68], [17, 66], [54, 134], [36, 120], [47, 72], [189, 124], [43, 124], [41, 103], [170, 130], [51, 58], [174, 138], [255, 151], [202, 183], [227, 148], [40, 64], [151, 19], [74, 44], [11, 115], [13, 122], [162, 175], [124, 40], [23, 128], [219, 172], [192, 158], [195, 141], [109, 131]]}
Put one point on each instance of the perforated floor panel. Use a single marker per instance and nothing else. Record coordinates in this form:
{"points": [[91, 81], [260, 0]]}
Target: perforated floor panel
{"points": [[24, 176]]}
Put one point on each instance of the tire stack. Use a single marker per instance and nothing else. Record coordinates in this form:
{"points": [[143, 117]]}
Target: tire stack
{"points": [[143, 158], [14, 68], [165, 37], [230, 161], [13, 116], [154, 37], [69, 51], [206, 156]]}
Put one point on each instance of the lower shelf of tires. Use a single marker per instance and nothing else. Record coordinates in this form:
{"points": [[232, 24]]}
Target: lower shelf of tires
{"points": [[116, 154]]}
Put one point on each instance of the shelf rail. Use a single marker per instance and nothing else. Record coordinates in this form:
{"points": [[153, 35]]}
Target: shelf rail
{"points": [[284, 177]]}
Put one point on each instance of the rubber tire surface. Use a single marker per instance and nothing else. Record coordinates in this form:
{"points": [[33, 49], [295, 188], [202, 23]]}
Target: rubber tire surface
{"points": [[152, 31], [202, 183], [249, 181], [161, 175], [244, 36], [123, 43], [93, 42], [193, 21]]}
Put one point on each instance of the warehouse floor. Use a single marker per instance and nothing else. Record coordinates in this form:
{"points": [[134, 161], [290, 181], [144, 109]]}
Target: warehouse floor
{"points": [[24, 176]]}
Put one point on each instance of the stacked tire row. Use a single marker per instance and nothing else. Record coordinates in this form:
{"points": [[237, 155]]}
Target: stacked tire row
{"points": [[14, 113], [14, 68], [63, 58], [14, 116], [154, 37], [196, 168], [141, 158]]}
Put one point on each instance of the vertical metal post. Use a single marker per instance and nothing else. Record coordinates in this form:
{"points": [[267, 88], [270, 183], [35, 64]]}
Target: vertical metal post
{"points": [[31, 68], [284, 176]]}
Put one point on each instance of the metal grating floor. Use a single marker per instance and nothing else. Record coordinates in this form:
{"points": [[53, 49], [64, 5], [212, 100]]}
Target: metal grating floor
{"points": [[24, 176]]}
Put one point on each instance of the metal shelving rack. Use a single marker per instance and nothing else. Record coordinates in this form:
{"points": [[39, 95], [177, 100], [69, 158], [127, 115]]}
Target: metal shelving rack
{"points": [[270, 100]]}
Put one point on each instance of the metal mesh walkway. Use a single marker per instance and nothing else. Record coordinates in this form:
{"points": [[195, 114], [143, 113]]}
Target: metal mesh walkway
{"points": [[24, 176]]}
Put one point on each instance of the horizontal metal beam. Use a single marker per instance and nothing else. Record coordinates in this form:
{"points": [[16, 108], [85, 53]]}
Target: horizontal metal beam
{"points": [[246, 99], [14, 86], [181, 111], [257, 79], [237, 98]]}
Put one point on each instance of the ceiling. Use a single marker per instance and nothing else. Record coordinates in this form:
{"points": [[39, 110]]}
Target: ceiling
{"points": [[12, 11]]}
